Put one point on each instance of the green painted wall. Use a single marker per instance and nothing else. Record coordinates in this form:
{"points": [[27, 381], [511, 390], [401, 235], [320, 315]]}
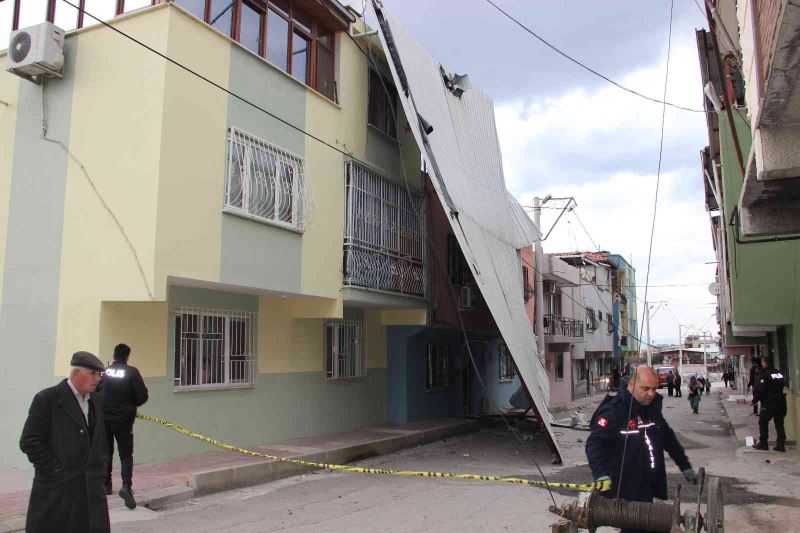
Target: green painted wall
{"points": [[29, 310], [279, 407]]}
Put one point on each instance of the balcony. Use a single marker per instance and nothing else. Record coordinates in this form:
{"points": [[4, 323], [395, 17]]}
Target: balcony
{"points": [[384, 229], [560, 272], [562, 330]]}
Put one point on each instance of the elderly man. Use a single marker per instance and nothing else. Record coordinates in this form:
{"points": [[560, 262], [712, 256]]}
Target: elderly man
{"points": [[628, 439], [64, 438]]}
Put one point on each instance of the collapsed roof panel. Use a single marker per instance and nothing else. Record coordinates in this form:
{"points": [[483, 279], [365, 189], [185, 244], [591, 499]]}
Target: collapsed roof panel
{"points": [[454, 126]]}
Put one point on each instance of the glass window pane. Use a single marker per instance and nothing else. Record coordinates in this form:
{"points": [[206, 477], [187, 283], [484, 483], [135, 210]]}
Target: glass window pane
{"points": [[286, 204], [66, 16], [326, 40], [300, 57], [325, 73], [277, 40], [130, 5], [235, 190], [101, 9], [250, 32], [281, 5], [222, 11], [195, 7], [30, 13]]}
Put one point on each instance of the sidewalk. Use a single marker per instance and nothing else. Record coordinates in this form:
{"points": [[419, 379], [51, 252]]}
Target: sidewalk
{"points": [[165, 482], [744, 422]]}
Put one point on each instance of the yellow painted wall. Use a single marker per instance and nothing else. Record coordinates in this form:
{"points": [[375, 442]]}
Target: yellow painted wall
{"points": [[286, 344], [114, 132], [792, 421], [193, 146], [140, 325], [9, 88], [405, 317]]}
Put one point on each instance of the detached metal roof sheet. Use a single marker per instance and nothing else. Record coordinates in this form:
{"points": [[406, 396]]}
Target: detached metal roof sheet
{"points": [[463, 156]]}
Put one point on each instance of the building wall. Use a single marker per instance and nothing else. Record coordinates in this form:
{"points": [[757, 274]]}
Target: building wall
{"points": [[597, 296]]}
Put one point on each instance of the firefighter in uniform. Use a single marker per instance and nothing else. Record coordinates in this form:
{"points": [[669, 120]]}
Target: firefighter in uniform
{"points": [[123, 391], [636, 468], [773, 406]]}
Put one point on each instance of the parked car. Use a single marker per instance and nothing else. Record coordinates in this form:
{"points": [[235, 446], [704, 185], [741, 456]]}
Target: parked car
{"points": [[663, 372]]}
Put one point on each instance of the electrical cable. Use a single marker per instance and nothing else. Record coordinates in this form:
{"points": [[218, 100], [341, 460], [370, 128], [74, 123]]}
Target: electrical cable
{"points": [[653, 227], [585, 67], [584, 228]]}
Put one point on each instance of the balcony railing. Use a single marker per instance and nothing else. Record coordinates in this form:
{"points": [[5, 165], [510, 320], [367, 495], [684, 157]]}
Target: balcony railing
{"points": [[563, 326]]}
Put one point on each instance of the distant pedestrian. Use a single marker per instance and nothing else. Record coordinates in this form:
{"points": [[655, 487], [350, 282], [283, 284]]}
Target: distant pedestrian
{"points": [[678, 392], [708, 385], [670, 383], [123, 391], [65, 440], [725, 378], [615, 379], [702, 381], [694, 394], [755, 371], [773, 406]]}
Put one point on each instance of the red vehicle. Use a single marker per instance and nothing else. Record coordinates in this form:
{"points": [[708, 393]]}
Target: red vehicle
{"points": [[663, 372]]}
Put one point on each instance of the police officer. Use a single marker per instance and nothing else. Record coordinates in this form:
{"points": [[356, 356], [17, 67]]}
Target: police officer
{"points": [[773, 405], [123, 390], [628, 439], [755, 371]]}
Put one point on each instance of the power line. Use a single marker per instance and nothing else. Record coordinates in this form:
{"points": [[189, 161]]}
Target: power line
{"points": [[583, 66], [574, 212]]}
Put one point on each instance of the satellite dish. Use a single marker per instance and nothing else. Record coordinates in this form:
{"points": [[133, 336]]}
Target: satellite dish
{"points": [[714, 289]]}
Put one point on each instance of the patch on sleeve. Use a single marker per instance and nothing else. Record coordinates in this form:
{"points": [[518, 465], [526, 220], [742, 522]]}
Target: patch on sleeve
{"points": [[602, 422]]}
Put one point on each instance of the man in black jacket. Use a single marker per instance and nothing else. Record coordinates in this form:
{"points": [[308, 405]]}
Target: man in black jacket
{"points": [[123, 391], [773, 406], [628, 439], [755, 370], [65, 440]]}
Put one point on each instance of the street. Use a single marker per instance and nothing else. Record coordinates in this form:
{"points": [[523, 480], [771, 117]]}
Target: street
{"points": [[757, 498]]}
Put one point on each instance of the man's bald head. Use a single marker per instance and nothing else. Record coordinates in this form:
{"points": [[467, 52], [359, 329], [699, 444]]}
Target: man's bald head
{"points": [[643, 385]]}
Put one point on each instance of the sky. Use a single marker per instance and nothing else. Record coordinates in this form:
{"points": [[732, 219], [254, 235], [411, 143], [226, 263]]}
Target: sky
{"points": [[566, 132]]}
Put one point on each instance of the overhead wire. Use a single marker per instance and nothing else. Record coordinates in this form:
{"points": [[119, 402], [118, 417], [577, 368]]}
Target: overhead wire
{"points": [[575, 213], [587, 68], [653, 226]]}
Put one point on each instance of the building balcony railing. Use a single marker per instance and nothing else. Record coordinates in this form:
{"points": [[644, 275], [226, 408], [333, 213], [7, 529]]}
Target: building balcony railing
{"points": [[562, 326]]}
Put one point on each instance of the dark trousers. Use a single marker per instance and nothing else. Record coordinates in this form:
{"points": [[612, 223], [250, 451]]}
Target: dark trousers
{"points": [[123, 433], [678, 391], [755, 408], [669, 389], [776, 414]]}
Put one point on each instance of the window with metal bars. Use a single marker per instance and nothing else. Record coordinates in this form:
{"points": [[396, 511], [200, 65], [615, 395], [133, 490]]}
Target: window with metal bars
{"points": [[264, 181], [382, 107], [214, 348], [384, 234], [507, 369], [437, 375], [591, 319], [345, 354]]}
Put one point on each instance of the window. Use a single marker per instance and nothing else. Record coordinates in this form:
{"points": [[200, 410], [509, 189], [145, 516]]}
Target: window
{"points": [[214, 348], [457, 267], [438, 371], [559, 366], [591, 319], [384, 234], [382, 107], [264, 182], [610, 321], [507, 369], [345, 356], [526, 285]]}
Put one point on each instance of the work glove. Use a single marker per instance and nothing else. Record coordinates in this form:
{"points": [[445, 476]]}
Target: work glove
{"points": [[603, 483], [690, 475]]}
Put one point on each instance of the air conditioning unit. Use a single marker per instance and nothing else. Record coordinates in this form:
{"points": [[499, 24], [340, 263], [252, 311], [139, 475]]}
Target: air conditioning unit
{"points": [[548, 287], [467, 298], [36, 51]]}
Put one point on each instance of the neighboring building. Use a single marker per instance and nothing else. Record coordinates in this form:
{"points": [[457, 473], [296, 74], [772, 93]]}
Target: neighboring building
{"points": [[596, 313], [751, 172], [270, 286], [626, 331]]}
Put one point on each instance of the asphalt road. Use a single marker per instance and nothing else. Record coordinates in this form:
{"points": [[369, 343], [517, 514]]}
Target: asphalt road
{"points": [[359, 503]]}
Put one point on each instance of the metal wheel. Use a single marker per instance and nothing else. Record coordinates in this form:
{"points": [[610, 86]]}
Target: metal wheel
{"points": [[715, 506]]}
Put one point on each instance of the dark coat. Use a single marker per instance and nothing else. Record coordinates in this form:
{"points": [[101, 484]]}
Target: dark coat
{"points": [[769, 389], [611, 425], [123, 390], [69, 461]]}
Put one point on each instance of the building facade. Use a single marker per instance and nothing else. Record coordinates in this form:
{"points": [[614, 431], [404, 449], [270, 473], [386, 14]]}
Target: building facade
{"points": [[748, 62]]}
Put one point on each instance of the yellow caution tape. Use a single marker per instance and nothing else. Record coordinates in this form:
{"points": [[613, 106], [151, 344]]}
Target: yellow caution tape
{"points": [[584, 487]]}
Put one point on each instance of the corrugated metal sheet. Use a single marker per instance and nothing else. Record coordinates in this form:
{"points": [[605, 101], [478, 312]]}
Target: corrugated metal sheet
{"points": [[464, 158]]}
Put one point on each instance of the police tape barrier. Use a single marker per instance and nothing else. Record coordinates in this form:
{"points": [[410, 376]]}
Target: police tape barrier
{"points": [[584, 487]]}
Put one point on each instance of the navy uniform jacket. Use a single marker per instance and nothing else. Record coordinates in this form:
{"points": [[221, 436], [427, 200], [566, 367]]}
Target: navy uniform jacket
{"points": [[123, 390], [648, 436], [770, 389]]}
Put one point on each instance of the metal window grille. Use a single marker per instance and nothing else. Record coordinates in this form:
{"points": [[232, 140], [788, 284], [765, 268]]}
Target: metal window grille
{"points": [[507, 370], [214, 348], [265, 182], [345, 353], [384, 234], [438, 369]]}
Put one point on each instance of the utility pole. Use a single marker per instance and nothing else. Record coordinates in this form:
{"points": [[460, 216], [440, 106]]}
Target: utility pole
{"points": [[680, 351], [649, 347], [705, 361], [539, 310]]}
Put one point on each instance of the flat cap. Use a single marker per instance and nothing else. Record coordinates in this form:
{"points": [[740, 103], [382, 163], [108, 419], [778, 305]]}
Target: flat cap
{"points": [[87, 360]]}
